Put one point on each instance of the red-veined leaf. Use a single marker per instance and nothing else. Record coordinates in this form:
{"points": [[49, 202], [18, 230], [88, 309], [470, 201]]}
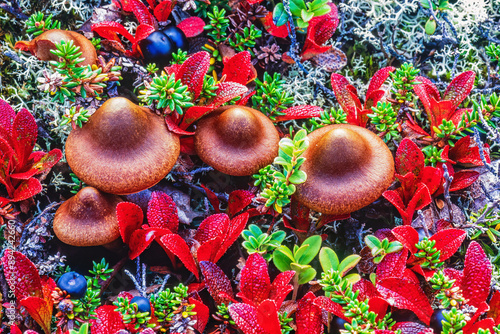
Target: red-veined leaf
{"points": [[192, 26], [463, 179], [477, 275], [24, 133], [162, 212], [212, 227], [163, 9], [130, 218], [212, 198], [409, 158], [392, 265], [299, 112], [236, 226], [27, 189], [448, 242], [173, 127], [245, 317], [108, 321], [227, 91], [281, 287], [238, 200], [255, 284], [21, 275], [202, 314], [346, 97], [192, 72], [216, 282], [138, 242], [271, 28], [459, 88], [329, 305], [208, 249], [40, 310], [407, 236], [177, 245], [110, 29], [7, 115], [376, 82], [238, 68], [409, 296], [308, 317], [267, 317]]}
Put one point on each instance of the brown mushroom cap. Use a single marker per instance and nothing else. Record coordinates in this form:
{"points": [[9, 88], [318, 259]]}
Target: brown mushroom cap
{"points": [[236, 140], [347, 167], [40, 46], [123, 148], [87, 219]]}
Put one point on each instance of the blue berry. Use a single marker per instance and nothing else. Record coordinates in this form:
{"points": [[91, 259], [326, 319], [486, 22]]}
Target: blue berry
{"points": [[177, 36], [143, 304], [74, 284]]}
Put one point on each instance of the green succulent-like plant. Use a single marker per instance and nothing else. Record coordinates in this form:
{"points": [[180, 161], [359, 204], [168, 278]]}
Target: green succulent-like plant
{"points": [[84, 329], [454, 321], [278, 185], [76, 116], [493, 52], [302, 12], [245, 40], [403, 80], [384, 117], [432, 155], [167, 93], [446, 293], [298, 260], [330, 261], [334, 116], [130, 313], [270, 97], [38, 23], [217, 25], [380, 249], [257, 241], [166, 302], [428, 252]]}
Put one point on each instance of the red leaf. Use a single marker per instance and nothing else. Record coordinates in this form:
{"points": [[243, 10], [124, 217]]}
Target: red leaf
{"points": [[193, 70], [110, 29], [485, 324], [46, 162], [162, 212], [177, 245], [236, 226], [21, 275], [271, 28], [267, 317], [329, 305], [425, 91], [378, 306], [463, 179], [130, 217], [27, 189], [346, 97], [459, 88], [212, 227], [245, 317], [320, 30], [138, 242], [255, 284], [142, 32], [212, 198], [477, 275], [409, 158], [24, 133], [163, 10], [395, 199], [448, 241], [281, 287], [308, 317], [366, 289], [208, 249], [40, 310], [238, 200], [172, 127], [193, 114], [202, 314], [494, 311], [299, 112], [141, 12], [192, 26], [7, 115], [407, 236], [108, 320], [238, 68], [226, 92], [216, 282], [421, 199], [441, 110], [376, 82], [464, 153], [409, 296], [393, 265]]}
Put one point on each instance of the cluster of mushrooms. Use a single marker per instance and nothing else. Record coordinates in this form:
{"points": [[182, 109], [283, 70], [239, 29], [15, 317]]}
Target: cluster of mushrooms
{"points": [[125, 148]]}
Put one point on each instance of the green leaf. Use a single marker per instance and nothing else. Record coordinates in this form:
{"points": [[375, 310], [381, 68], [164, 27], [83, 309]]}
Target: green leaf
{"points": [[296, 7], [298, 177], [280, 17], [322, 11], [306, 16], [372, 241], [328, 259], [314, 243], [299, 252], [282, 258], [394, 247], [348, 263], [299, 268], [307, 276], [352, 278]]}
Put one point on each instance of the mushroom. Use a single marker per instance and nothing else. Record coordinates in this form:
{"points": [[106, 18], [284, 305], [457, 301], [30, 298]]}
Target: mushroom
{"points": [[122, 149], [236, 140], [40, 46], [347, 167], [87, 219]]}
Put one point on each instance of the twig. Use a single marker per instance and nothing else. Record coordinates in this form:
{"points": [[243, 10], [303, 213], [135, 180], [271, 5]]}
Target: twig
{"points": [[448, 179]]}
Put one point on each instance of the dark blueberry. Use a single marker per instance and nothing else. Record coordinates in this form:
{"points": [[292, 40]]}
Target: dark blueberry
{"points": [[143, 304], [157, 48], [74, 284], [336, 325], [436, 320], [177, 36]]}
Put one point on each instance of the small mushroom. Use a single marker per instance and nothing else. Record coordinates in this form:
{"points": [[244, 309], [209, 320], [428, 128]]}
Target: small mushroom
{"points": [[347, 167], [236, 140], [122, 149], [87, 219], [40, 46]]}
